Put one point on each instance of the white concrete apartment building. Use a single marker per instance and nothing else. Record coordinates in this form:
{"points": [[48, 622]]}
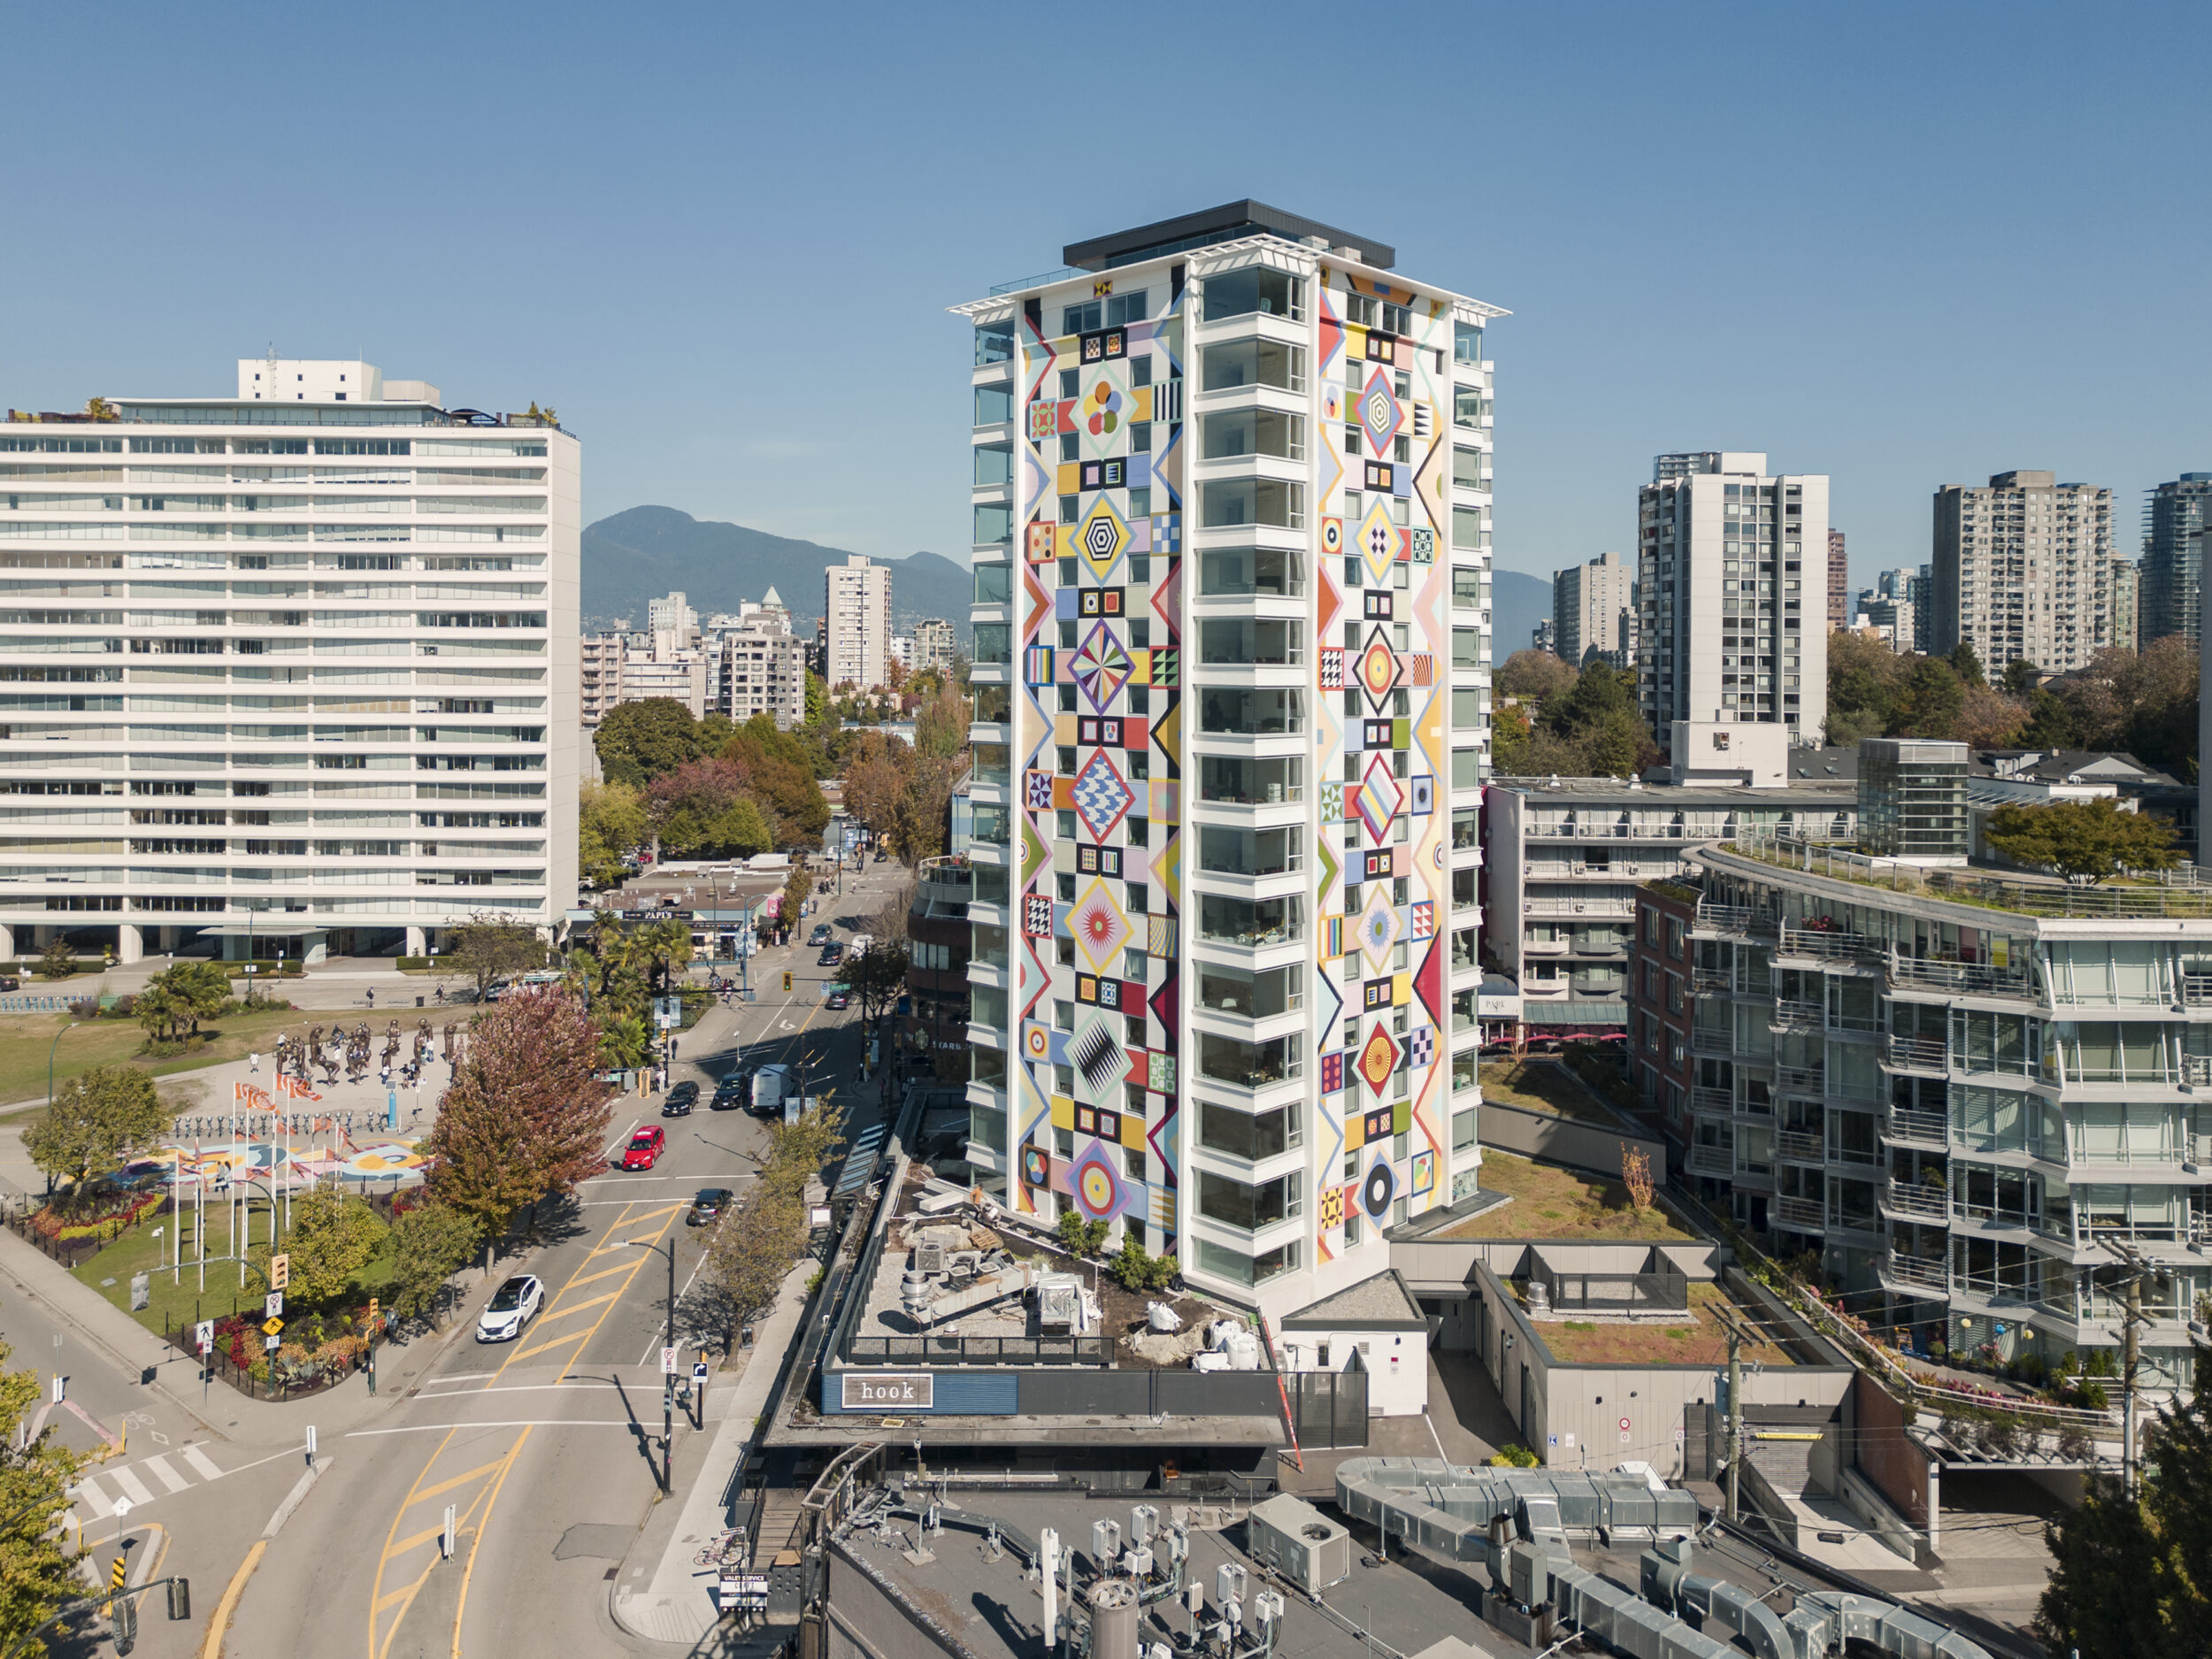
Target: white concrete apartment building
{"points": [[294, 670], [600, 659], [1732, 584], [760, 665], [934, 646], [857, 623], [2023, 570], [1232, 669], [1593, 609]]}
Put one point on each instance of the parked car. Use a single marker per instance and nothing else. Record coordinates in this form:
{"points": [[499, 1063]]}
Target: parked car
{"points": [[679, 1100], [8, 982], [837, 998], [513, 1305], [645, 1149], [820, 935], [708, 1206]]}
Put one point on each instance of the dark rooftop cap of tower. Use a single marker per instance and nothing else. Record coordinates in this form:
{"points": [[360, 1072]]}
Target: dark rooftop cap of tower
{"points": [[1226, 222]]}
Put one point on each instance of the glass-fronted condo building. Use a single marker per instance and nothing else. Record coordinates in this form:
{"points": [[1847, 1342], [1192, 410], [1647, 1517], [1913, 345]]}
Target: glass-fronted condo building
{"points": [[1980, 1102], [1232, 479], [293, 671]]}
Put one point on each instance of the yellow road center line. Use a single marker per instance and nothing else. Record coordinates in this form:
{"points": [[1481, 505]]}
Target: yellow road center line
{"points": [[417, 1538], [562, 1313], [476, 1543], [213, 1648], [448, 1486], [376, 1594]]}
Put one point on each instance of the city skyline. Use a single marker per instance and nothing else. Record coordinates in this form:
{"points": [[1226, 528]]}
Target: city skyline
{"points": [[1756, 354]]}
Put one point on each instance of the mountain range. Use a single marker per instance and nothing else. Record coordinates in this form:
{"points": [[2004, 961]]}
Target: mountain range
{"points": [[639, 556], [1518, 602]]}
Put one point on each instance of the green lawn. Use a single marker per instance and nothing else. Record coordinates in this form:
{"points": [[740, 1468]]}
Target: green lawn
{"points": [[179, 1298], [1550, 1203], [1542, 1086], [25, 1040]]}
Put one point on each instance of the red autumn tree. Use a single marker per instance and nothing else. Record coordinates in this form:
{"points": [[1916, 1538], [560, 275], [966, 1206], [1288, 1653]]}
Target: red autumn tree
{"points": [[526, 1115]]}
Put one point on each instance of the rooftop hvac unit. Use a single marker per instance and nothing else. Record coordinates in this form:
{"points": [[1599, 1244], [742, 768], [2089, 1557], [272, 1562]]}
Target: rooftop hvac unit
{"points": [[929, 1258], [1300, 1542]]}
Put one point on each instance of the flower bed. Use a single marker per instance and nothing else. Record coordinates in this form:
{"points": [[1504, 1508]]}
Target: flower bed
{"points": [[106, 1222]]}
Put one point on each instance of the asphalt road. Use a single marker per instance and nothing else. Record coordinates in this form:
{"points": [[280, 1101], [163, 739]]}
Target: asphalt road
{"points": [[544, 1447]]}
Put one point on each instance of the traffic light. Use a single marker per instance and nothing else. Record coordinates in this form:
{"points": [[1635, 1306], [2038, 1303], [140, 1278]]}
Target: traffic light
{"points": [[125, 1622], [372, 1313], [179, 1598], [787, 979]]}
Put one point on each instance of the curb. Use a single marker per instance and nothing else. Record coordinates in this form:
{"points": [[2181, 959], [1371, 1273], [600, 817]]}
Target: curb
{"points": [[219, 1622]]}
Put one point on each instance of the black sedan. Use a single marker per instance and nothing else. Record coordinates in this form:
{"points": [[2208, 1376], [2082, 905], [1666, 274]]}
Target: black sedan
{"points": [[709, 1207], [680, 1099], [831, 955], [730, 1092]]}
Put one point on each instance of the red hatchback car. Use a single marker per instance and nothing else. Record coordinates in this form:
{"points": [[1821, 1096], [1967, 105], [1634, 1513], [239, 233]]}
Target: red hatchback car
{"points": [[644, 1149]]}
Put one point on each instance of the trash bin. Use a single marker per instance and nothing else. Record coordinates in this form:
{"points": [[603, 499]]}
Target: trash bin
{"points": [[419, 1002]]}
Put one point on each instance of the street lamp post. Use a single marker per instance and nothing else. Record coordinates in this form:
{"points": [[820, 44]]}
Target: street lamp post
{"points": [[58, 1035], [668, 1381]]}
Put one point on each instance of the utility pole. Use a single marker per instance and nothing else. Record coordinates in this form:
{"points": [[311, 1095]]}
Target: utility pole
{"points": [[1735, 1409]]}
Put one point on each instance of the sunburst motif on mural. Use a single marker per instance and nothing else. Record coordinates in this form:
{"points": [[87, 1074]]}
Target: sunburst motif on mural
{"points": [[1378, 1059], [1101, 667], [1379, 928], [1098, 925]]}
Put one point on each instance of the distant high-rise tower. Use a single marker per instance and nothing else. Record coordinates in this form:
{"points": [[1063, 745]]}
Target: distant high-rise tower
{"points": [[2174, 517], [1838, 583], [856, 615], [2023, 570], [1591, 609], [1729, 556]]}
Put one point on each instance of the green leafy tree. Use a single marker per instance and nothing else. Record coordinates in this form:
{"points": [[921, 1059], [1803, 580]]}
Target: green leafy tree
{"points": [[625, 1042], [58, 961], [1137, 1270], [879, 977], [333, 1235], [782, 771], [662, 947], [2132, 1576], [921, 815], [940, 725], [1509, 740], [818, 700], [97, 1117], [798, 886], [638, 742], [1931, 703], [38, 1572], [2084, 841], [609, 822], [176, 999], [1080, 1235], [2050, 722], [1966, 663], [2021, 676], [753, 1252], [1866, 679], [487, 947], [801, 1148], [1534, 675], [428, 1245]]}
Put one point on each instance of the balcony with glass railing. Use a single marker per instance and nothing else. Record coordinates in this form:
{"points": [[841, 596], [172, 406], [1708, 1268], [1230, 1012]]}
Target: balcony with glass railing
{"points": [[1915, 1201]]}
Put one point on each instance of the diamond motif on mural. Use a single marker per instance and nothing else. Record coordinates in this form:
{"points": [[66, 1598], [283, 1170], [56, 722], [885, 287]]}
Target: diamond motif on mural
{"points": [[1037, 791], [1101, 539], [1037, 915], [1333, 803], [1101, 667], [1380, 797], [1378, 925], [1424, 918], [1379, 416], [1378, 670], [1101, 795], [1331, 670], [1380, 539], [1378, 1059], [1099, 926]]}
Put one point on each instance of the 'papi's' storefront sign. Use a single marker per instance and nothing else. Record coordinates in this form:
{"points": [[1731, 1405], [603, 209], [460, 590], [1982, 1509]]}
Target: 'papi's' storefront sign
{"points": [[880, 1391]]}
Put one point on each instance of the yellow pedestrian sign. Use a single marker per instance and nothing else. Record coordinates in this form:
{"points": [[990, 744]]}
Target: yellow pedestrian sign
{"points": [[270, 1327]]}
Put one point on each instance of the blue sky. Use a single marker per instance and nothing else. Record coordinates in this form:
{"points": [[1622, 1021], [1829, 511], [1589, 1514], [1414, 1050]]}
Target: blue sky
{"points": [[1902, 245]]}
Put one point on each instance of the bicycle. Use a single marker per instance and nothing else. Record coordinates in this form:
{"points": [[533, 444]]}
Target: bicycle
{"points": [[728, 1550]]}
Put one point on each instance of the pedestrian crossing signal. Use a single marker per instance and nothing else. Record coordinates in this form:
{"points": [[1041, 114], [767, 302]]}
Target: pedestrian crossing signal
{"points": [[787, 979]]}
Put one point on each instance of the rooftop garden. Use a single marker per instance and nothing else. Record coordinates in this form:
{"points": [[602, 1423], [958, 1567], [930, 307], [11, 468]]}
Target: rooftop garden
{"points": [[2019, 893], [1542, 1086], [1699, 1341], [1551, 1202]]}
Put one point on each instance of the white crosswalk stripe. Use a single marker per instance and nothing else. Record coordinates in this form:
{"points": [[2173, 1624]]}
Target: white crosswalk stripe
{"points": [[159, 1468], [95, 1497]]}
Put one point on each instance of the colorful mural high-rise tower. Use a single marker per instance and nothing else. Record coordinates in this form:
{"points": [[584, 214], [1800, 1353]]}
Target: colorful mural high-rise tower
{"points": [[1231, 676]]}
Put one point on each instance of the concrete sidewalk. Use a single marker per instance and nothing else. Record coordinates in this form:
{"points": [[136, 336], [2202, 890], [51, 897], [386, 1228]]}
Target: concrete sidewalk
{"points": [[661, 1594], [137, 1353]]}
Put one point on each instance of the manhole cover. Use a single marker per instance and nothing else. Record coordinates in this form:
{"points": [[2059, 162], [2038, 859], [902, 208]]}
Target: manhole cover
{"points": [[600, 1541]]}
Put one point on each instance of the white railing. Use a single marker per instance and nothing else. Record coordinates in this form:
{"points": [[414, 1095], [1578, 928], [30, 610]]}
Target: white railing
{"points": [[1928, 1054], [1798, 1147], [1916, 1128], [1915, 1273], [1803, 1214], [1915, 1202]]}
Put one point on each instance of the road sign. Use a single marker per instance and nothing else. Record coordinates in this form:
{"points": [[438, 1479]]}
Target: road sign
{"points": [[203, 1333], [142, 1291], [280, 1274], [272, 1304], [272, 1343], [119, 1572], [270, 1327], [668, 1361], [1624, 1426]]}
